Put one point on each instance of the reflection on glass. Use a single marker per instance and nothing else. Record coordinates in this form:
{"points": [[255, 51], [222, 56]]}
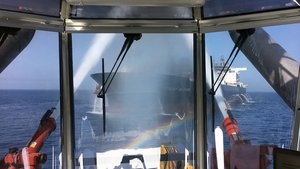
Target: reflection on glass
{"points": [[46, 7], [149, 104], [216, 8], [29, 87], [254, 113], [131, 12]]}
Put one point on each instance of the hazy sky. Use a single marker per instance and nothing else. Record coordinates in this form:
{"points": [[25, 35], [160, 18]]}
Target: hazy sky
{"points": [[220, 44], [37, 66]]}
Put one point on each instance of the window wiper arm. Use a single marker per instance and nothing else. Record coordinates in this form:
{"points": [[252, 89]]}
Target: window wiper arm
{"points": [[126, 46], [244, 34]]}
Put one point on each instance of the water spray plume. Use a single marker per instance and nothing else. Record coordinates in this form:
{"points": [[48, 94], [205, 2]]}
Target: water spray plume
{"points": [[90, 59], [189, 41]]}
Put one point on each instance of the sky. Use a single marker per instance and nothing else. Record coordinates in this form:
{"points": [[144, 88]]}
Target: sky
{"points": [[220, 44], [36, 67]]}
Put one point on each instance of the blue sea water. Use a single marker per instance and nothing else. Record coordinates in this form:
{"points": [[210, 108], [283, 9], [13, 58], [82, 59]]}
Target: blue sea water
{"points": [[20, 112], [266, 119]]}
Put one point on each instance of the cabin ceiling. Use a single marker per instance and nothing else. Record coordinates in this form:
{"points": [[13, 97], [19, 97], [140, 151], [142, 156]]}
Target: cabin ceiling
{"points": [[146, 16]]}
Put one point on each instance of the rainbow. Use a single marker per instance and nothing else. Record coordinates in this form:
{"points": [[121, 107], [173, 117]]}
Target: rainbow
{"points": [[149, 134]]}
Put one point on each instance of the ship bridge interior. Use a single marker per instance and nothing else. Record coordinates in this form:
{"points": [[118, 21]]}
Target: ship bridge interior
{"points": [[126, 84]]}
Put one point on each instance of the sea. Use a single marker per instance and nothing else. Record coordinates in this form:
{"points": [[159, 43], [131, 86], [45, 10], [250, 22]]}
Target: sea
{"points": [[21, 111], [265, 119]]}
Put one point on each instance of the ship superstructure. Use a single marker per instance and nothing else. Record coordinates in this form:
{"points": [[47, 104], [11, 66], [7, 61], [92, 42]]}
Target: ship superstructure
{"points": [[175, 119], [232, 88]]}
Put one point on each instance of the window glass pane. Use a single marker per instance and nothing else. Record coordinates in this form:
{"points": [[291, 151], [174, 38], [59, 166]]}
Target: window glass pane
{"points": [[45, 7], [131, 12], [255, 102], [29, 87], [215, 8], [149, 104]]}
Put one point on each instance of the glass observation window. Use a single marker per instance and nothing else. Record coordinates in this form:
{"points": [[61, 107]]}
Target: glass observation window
{"points": [[131, 12], [144, 116], [219, 8], [29, 87], [45, 7], [254, 103]]}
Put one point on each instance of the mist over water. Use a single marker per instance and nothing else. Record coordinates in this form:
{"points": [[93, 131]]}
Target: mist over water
{"points": [[151, 89], [89, 60]]}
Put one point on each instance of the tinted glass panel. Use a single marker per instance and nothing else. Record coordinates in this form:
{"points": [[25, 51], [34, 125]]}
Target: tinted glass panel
{"points": [[215, 8], [148, 121], [115, 12], [29, 87], [45, 7], [255, 101]]}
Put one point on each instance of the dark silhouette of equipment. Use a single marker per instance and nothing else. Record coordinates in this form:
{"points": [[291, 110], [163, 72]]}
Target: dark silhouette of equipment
{"points": [[12, 42], [125, 163]]}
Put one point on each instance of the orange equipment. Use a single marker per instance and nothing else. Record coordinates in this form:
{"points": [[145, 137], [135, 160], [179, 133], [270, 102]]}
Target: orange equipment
{"points": [[29, 157], [241, 153], [231, 128]]}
